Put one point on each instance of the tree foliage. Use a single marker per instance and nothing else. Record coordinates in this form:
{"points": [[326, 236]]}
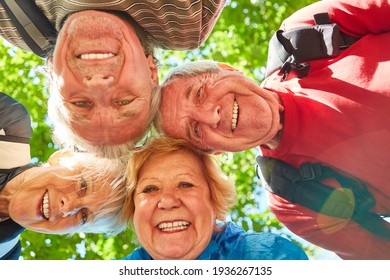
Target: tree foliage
{"points": [[240, 38]]}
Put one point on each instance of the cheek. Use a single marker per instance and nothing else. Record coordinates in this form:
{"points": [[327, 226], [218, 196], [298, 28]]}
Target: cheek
{"points": [[63, 226], [205, 216], [142, 214]]}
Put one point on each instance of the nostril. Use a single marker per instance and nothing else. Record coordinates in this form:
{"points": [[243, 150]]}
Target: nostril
{"points": [[99, 80]]}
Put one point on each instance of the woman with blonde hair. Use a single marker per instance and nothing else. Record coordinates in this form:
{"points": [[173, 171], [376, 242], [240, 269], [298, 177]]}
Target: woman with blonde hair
{"points": [[178, 201]]}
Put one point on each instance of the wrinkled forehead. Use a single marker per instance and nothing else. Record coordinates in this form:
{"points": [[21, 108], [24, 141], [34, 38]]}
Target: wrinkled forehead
{"points": [[173, 99], [178, 84]]}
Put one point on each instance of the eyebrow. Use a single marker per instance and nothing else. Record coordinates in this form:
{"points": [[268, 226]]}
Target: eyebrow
{"points": [[188, 92], [152, 178], [188, 132], [127, 114]]}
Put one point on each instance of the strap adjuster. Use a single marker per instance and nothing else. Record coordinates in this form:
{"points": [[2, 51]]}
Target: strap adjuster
{"points": [[307, 171]]}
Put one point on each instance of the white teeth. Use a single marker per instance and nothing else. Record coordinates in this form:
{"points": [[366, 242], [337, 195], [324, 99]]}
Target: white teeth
{"points": [[96, 55], [173, 226], [45, 205], [235, 115]]}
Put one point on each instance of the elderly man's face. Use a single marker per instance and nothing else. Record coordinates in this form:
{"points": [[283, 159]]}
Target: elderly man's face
{"points": [[223, 111], [104, 77]]}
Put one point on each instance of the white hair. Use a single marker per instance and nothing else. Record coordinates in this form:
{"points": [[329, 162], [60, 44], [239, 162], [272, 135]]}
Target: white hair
{"points": [[62, 132], [107, 219], [191, 69], [64, 136]]}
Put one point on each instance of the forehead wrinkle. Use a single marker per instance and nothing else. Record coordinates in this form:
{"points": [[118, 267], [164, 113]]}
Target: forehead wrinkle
{"points": [[187, 98]]}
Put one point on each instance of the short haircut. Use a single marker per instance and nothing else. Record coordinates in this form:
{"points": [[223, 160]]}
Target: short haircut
{"points": [[189, 69], [62, 132]]}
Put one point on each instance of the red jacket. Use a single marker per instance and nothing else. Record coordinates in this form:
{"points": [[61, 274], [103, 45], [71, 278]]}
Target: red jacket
{"points": [[340, 115]]}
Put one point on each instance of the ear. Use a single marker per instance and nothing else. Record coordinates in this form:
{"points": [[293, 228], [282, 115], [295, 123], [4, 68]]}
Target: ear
{"points": [[55, 157], [227, 67], [153, 69]]}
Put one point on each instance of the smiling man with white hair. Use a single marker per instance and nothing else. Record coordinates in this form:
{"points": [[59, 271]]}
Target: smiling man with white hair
{"points": [[338, 115], [103, 74]]}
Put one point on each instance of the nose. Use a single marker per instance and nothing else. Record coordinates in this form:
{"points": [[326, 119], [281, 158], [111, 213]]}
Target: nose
{"points": [[99, 83], [102, 88], [208, 114], [169, 201], [69, 206]]}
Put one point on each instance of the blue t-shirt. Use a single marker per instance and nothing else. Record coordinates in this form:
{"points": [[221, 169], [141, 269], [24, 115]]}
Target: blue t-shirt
{"points": [[233, 243]]}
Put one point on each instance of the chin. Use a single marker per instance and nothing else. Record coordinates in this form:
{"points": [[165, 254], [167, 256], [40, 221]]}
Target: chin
{"points": [[174, 255]]}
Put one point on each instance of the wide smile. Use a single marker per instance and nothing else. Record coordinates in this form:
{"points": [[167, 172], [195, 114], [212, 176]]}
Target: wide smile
{"points": [[94, 56], [45, 206], [235, 115], [173, 226]]}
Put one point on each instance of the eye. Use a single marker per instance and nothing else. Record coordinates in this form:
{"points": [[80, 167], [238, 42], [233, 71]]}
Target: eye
{"points": [[82, 104], [195, 129], [83, 186], [149, 189], [185, 185], [122, 102], [83, 216], [198, 96]]}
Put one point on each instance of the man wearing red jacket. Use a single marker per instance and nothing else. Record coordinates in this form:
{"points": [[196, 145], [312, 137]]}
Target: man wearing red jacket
{"points": [[337, 115]]}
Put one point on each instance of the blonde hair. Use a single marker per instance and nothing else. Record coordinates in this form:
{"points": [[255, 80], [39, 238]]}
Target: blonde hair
{"points": [[109, 173], [222, 190]]}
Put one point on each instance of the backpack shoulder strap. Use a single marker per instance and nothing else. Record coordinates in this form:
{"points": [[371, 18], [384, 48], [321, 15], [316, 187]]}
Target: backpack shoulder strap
{"points": [[290, 50], [303, 186], [34, 27]]}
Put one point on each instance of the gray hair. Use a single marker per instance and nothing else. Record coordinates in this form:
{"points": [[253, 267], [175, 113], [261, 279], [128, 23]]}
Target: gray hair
{"points": [[189, 69], [62, 131], [108, 218], [64, 135]]}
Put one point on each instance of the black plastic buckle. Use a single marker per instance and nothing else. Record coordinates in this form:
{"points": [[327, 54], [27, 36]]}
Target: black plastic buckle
{"points": [[307, 171]]}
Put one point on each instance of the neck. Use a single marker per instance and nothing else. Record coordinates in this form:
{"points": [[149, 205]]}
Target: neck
{"points": [[274, 142]]}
